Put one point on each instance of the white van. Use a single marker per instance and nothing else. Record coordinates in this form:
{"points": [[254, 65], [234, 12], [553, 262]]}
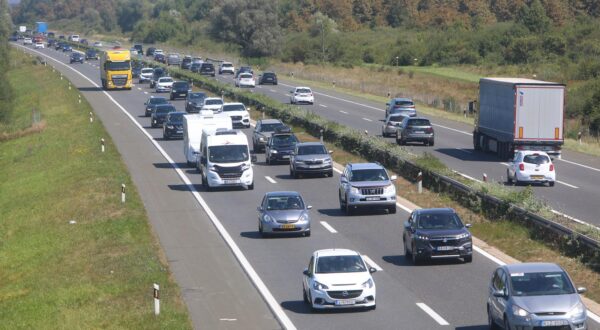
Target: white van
{"points": [[192, 132], [74, 38], [225, 159]]}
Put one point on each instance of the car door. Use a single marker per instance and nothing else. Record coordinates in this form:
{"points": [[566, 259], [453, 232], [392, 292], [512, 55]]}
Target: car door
{"points": [[498, 304], [306, 283], [344, 183], [410, 231]]}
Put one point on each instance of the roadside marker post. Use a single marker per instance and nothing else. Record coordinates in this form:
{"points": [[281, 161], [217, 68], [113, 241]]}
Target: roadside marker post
{"points": [[484, 177], [79, 96], [102, 144], [122, 193], [156, 299], [420, 182], [321, 135], [91, 117]]}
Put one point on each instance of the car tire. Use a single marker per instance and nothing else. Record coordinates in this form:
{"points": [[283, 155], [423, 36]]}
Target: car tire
{"points": [[509, 180], [468, 259], [304, 296], [383, 134], [492, 325], [342, 204], [506, 324], [330, 174], [374, 307], [392, 209], [407, 253], [431, 143], [251, 186], [551, 183], [416, 260], [267, 159], [296, 175], [307, 233], [348, 209], [260, 228]]}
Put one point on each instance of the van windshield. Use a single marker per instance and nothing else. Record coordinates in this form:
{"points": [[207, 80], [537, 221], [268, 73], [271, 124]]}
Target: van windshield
{"points": [[228, 153]]}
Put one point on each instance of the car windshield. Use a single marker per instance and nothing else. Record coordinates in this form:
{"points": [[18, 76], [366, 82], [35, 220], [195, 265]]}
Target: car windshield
{"points": [[228, 153], [403, 103], [246, 76], [147, 71], [197, 96], [157, 100], [439, 221], [165, 80], [118, 66], [340, 264], [540, 284], [303, 90], [536, 159], [285, 203], [312, 150], [164, 110], [227, 65], [182, 85], [284, 140], [214, 102], [418, 122], [369, 175], [176, 117], [270, 127], [396, 118], [234, 107]]}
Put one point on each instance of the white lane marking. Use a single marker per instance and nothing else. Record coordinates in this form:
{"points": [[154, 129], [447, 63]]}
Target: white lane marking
{"points": [[139, 88], [328, 227], [270, 179], [367, 119], [574, 219], [408, 210], [440, 320], [145, 92], [272, 91], [468, 177], [344, 112], [453, 129], [593, 316], [489, 256], [224, 319], [372, 263], [252, 274], [585, 166], [567, 184], [323, 105]]}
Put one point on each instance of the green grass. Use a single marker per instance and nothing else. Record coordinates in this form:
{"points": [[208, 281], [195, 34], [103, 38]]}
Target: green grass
{"points": [[97, 273], [445, 72]]}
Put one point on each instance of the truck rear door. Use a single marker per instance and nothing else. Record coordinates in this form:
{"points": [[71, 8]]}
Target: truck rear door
{"points": [[539, 113]]}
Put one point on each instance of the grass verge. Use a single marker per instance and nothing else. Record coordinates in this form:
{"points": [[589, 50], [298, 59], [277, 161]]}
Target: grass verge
{"points": [[97, 272]]}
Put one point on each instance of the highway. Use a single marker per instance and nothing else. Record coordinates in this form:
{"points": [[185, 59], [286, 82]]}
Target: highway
{"points": [[440, 295]]}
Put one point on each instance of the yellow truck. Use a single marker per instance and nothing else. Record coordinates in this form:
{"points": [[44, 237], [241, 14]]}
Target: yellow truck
{"points": [[115, 69]]}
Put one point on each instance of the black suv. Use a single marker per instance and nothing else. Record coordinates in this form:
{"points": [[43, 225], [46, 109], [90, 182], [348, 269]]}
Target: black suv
{"points": [[158, 73], [139, 48], [173, 125], [152, 103], [436, 233], [267, 78], [280, 146], [180, 89], [76, 57], [150, 51], [159, 115], [91, 54], [207, 69], [194, 102]]}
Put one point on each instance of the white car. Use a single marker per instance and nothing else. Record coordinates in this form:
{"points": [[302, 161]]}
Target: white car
{"points": [[164, 84], [338, 278], [39, 45], [97, 44], [531, 166], [302, 95], [27, 41], [240, 118], [245, 79], [146, 74], [212, 103], [226, 67], [158, 51]]}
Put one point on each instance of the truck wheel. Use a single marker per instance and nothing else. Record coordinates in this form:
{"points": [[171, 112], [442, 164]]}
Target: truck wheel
{"points": [[476, 145]]}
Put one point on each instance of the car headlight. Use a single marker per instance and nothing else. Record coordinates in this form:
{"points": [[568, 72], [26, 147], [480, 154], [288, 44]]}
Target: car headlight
{"points": [[170, 126], [268, 218], [518, 311], [299, 162], [327, 160], [245, 167], [354, 190], [368, 284], [463, 235], [319, 286], [273, 151], [391, 189], [261, 139], [422, 237], [577, 310], [303, 217]]}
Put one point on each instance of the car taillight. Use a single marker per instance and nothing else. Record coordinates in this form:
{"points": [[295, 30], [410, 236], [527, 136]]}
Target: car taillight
{"points": [[522, 167], [551, 167], [429, 130]]}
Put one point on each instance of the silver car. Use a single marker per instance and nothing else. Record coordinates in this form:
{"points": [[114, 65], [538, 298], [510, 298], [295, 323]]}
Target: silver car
{"points": [[390, 125], [310, 158], [283, 212], [535, 296], [366, 185]]}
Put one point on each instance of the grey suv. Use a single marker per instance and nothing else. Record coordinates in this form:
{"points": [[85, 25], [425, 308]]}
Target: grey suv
{"points": [[310, 158], [366, 185], [415, 130], [535, 296]]}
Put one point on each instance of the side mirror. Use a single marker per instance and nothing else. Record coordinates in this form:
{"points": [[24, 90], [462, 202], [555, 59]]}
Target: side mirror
{"points": [[406, 224], [305, 272], [203, 159], [581, 290], [372, 270], [387, 104], [259, 209], [253, 159], [468, 225], [499, 294], [343, 179], [291, 92], [309, 207], [552, 158], [393, 177], [145, 103]]}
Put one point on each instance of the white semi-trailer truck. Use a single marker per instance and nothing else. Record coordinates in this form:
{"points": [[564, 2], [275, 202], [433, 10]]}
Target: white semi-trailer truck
{"points": [[519, 114]]}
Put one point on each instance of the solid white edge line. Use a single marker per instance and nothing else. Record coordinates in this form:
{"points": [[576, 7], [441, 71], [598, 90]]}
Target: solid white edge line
{"points": [[567, 184], [367, 119], [328, 227], [489, 256], [440, 320], [344, 112], [259, 284], [270, 179], [453, 129], [372, 263]]}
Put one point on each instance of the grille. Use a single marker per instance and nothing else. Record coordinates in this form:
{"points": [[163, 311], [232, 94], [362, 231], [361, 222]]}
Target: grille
{"points": [[344, 294], [119, 81], [440, 242], [287, 221], [290, 229], [372, 191], [236, 117], [550, 313], [233, 172], [314, 162]]}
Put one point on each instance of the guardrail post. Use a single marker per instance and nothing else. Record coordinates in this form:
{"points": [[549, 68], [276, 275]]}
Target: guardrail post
{"points": [[321, 136], [420, 182], [579, 137], [91, 117], [102, 144], [122, 193]]}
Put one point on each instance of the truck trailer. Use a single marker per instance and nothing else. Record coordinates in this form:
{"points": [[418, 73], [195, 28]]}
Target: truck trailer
{"points": [[519, 114]]}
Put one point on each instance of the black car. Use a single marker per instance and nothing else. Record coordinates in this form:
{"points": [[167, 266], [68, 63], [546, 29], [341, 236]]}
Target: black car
{"points": [[139, 48], [152, 103], [91, 54], [267, 78], [281, 145], [180, 89], [59, 45], [207, 69], [195, 67], [173, 125], [13, 38], [150, 51], [136, 69], [158, 73], [186, 63], [51, 43], [194, 101], [76, 57], [159, 115], [436, 233], [160, 58], [84, 42], [67, 48]]}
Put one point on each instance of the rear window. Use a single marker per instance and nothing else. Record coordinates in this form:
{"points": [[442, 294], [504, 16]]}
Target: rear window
{"points": [[164, 80], [268, 74], [165, 109], [147, 70], [227, 65], [158, 100], [396, 118], [180, 85], [419, 122], [213, 102], [536, 159], [246, 76], [207, 65], [303, 90], [403, 103]]}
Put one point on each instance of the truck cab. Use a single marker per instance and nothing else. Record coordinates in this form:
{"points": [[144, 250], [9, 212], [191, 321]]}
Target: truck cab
{"points": [[115, 69]]}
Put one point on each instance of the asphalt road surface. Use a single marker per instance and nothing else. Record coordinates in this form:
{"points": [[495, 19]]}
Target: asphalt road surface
{"points": [[219, 289]]}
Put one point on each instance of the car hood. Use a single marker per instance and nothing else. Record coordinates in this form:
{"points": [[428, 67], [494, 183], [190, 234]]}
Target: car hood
{"points": [[212, 106], [370, 184], [544, 304], [340, 280], [303, 158], [266, 134], [432, 233], [236, 113], [159, 115], [287, 147], [285, 214]]}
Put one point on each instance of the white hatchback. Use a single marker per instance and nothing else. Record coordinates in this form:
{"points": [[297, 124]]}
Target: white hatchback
{"points": [[531, 166], [302, 95], [39, 45], [164, 84], [245, 79], [213, 104], [338, 278]]}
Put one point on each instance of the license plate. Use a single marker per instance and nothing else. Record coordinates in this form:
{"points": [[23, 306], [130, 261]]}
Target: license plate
{"points": [[179, 131], [419, 132], [182, 94], [287, 227], [285, 156], [554, 323], [372, 198], [345, 302], [314, 166], [445, 248], [537, 177], [231, 181]]}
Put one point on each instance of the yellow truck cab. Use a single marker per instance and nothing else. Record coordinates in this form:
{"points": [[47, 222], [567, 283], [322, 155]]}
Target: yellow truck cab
{"points": [[115, 69]]}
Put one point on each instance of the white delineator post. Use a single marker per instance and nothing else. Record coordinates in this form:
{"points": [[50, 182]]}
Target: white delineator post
{"points": [[91, 117], [122, 193], [102, 144], [484, 177], [420, 182], [156, 299]]}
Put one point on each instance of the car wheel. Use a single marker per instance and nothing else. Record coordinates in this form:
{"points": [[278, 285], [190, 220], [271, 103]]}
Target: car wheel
{"points": [[431, 143], [304, 296], [374, 307], [348, 208], [307, 233], [260, 228], [508, 178], [251, 186], [407, 253], [551, 183], [342, 204], [415, 258], [491, 323], [468, 259], [296, 175], [383, 134], [392, 209], [267, 159], [506, 324]]}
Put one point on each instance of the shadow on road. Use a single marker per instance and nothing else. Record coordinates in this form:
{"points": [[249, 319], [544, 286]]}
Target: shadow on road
{"points": [[300, 307], [401, 261], [331, 212], [469, 155], [90, 89], [184, 187], [473, 327], [169, 166]]}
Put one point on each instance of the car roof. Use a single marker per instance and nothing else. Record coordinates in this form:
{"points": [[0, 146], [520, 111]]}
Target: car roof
{"points": [[419, 118], [306, 144], [226, 63], [335, 252], [165, 105], [157, 97], [302, 87], [233, 103], [533, 267], [213, 98], [365, 166], [271, 121], [163, 78], [435, 210], [282, 193]]}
